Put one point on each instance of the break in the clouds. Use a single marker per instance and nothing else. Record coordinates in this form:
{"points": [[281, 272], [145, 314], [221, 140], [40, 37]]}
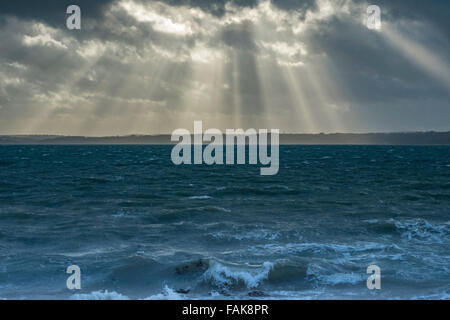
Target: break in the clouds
{"points": [[152, 66]]}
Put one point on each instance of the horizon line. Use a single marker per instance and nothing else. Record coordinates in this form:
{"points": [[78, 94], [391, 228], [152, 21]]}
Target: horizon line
{"points": [[224, 133]]}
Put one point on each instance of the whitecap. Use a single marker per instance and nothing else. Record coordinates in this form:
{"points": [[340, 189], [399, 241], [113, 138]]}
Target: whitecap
{"points": [[200, 197], [100, 295], [223, 275], [167, 294]]}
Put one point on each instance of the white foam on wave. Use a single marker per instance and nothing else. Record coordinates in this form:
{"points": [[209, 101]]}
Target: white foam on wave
{"points": [[343, 249], [166, 294], [100, 295], [94, 251], [216, 208], [200, 197], [252, 235], [223, 275]]}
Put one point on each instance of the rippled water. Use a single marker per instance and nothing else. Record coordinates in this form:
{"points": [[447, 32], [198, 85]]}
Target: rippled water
{"points": [[140, 227]]}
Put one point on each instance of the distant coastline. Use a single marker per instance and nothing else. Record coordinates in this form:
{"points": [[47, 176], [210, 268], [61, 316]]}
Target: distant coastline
{"points": [[400, 138]]}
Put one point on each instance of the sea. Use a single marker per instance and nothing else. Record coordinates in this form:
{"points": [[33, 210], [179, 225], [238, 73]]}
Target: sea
{"points": [[140, 227]]}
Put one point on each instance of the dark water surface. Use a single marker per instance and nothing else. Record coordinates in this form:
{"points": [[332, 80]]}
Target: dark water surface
{"points": [[140, 227]]}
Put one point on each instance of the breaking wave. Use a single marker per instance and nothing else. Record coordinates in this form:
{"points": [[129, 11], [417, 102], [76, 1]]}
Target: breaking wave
{"points": [[229, 275], [166, 294]]}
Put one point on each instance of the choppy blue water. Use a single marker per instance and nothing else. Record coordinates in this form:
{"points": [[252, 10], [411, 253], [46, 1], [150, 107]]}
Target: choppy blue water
{"points": [[140, 227]]}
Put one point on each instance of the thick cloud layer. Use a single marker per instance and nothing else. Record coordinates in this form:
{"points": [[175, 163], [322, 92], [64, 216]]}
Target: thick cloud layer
{"points": [[148, 67]]}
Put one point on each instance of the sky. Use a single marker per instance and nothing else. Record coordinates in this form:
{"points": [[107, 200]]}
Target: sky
{"points": [[148, 67]]}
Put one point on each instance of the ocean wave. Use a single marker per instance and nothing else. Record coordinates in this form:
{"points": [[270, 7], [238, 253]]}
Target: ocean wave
{"points": [[271, 190], [204, 197], [312, 248], [422, 230], [99, 295], [444, 295], [89, 252], [215, 209], [413, 229], [330, 277], [200, 265], [242, 276], [166, 294], [234, 275], [259, 235]]}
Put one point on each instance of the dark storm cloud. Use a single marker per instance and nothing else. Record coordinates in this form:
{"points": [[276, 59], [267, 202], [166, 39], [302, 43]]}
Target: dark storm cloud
{"points": [[216, 7], [239, 36], [51, 11], [302, 5]]}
